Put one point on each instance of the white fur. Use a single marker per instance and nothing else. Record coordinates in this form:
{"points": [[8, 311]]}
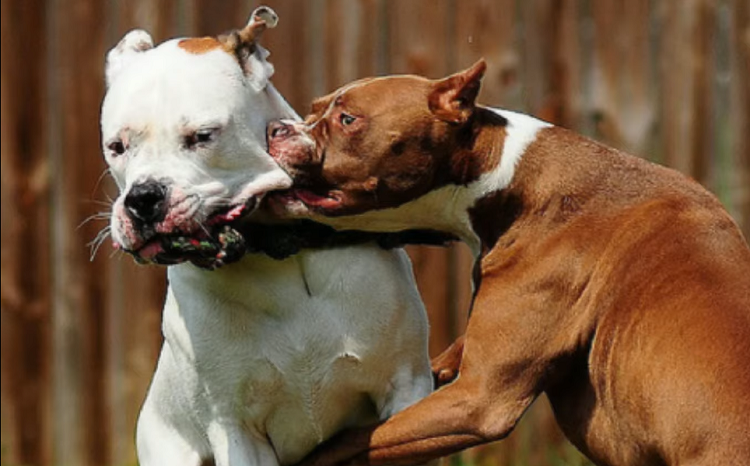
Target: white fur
{"points": [[262, 359], [446, 209], [521, 131]]}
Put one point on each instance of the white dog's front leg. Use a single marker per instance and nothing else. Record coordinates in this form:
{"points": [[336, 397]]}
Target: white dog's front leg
{"points": [[159, 444], [406, 388], [234, 446]]}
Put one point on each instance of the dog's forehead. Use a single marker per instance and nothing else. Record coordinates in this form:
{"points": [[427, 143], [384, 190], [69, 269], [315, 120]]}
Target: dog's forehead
{"points": [[383, 92], [170, 82]]}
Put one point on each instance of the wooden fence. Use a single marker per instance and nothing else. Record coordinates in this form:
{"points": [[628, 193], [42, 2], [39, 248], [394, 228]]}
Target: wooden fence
{"points": [[667, 79]]}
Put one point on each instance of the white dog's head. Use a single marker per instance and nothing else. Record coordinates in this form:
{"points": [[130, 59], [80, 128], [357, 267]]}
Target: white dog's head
{"points": [[183, 132]]}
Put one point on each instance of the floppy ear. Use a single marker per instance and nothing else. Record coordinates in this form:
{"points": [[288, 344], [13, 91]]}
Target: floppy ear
{"points": [[452, 99], [134, 42], [244, 44]]}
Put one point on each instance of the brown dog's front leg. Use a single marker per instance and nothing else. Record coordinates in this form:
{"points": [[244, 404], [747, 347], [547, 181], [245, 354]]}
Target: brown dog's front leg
{"points": [[456, 417], [445, 366]]}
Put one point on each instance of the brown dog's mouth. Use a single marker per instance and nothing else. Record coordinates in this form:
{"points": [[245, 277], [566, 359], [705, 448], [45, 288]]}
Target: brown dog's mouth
{"points": [[328, 200], [217, 244]]}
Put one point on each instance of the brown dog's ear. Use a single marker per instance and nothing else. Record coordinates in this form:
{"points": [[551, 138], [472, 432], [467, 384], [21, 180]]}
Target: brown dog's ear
{"points": [[452, 99]]}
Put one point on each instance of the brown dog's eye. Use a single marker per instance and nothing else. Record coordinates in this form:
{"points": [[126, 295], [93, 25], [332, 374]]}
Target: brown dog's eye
{"points": [[346, 119]]}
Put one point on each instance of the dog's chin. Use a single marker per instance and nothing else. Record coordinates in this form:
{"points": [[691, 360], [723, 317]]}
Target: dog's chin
{"points": [[215, 244]]}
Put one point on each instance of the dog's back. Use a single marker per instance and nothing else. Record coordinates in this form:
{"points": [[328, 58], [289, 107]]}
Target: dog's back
{"points": [[668, 292]]}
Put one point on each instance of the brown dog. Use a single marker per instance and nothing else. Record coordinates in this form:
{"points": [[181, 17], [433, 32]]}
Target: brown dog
{"points": [[618, 287]]}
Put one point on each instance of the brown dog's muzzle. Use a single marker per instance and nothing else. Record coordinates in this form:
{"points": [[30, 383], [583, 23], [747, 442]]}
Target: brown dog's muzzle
{"points": [[290, 145], [280, 129]]}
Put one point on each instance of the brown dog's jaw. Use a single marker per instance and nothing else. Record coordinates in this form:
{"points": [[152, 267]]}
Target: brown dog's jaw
{"points": [[331, 201]]}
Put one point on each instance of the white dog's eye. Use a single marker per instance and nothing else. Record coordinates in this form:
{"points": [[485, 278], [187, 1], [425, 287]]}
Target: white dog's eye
{"points": [[117, 148], [200, 137]]}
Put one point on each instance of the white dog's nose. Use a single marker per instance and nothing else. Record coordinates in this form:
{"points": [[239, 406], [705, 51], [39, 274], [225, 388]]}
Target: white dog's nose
{"points": [[146, 202]]}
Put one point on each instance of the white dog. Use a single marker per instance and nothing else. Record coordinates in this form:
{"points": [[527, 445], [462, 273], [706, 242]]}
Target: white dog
{"points": [[262, 359]]}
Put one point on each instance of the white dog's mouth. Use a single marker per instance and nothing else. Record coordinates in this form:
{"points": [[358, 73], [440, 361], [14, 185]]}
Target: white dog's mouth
{"points": [[210, 245]]}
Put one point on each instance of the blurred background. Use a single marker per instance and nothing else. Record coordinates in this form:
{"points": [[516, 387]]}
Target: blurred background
{"points": [[668, 80]]}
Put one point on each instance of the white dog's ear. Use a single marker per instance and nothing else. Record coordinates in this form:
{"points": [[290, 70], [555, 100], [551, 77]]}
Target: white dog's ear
{"points": [[134, 42], [245, 45]]}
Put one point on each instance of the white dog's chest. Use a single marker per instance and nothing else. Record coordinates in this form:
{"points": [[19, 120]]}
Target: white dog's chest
{"points": [[260, 351], [293, 387]]}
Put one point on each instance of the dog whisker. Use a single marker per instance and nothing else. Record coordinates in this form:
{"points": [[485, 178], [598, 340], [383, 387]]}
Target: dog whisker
{"points": [[92, 217], [97, 242], [107, 203], [99, 180]]}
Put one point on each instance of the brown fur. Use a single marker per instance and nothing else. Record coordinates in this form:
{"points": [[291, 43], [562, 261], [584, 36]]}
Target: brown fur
{"points": [[200, 45], [619, 288], [238, 43]]}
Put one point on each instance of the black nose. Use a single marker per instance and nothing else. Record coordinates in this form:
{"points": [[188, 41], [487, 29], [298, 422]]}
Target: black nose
{"points": [[279, 129], [146, 202]]}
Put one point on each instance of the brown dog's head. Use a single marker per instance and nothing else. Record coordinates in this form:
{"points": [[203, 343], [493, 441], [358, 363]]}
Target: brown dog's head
{"points": [[378, 143]]}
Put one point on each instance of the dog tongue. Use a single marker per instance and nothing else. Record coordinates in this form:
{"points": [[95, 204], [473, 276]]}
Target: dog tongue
{"points": [[227, 217], [315, 200], [151, 250]]}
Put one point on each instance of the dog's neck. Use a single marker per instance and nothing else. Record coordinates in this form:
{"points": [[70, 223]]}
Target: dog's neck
{"points": [[482, 169]]}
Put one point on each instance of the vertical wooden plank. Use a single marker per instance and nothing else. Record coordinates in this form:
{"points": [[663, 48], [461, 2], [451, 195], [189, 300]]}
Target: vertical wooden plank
{"points": [[551, 66], [419, 41], [566, 74], [740, 183], [25, 228], [538, 22], [623, 113], [687, 94], [9, 288], [82, 429], [486, 29], [214, 18], [289, 45], [160, 19], [351, 32], [681, 77], [703, 132]]}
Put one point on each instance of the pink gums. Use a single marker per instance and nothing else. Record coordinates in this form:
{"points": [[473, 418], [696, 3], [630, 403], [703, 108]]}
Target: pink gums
{"points": [[312, 199], [227, 217], [150, 250]]}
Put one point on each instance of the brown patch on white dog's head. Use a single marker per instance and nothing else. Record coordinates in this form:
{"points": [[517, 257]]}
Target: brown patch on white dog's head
{"points": [[261, 19], [241, 44], [199, 45]]}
